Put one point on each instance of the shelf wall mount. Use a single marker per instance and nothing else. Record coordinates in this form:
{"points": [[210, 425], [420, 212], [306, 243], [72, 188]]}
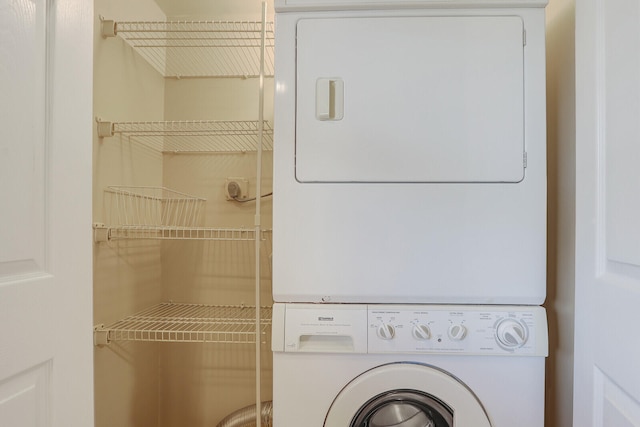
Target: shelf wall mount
{"points": [[108, 27], [105, 129]]}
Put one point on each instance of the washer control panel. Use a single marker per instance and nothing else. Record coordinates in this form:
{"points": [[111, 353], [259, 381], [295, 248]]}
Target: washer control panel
{"points": [[455, 329], [405, 329]]}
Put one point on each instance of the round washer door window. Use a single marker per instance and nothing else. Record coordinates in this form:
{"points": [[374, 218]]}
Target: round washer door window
{"points": [[406, 395], [404, 408]]}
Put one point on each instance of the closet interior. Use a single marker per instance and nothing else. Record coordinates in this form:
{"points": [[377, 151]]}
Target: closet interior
{"points": [[183, 95]]}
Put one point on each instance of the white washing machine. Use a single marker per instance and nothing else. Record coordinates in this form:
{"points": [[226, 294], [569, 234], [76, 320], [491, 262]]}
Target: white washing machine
{"points": [[408, 366], [409, 152]]}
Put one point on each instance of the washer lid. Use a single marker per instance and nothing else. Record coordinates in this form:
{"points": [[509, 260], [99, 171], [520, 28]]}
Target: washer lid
{"points": [[415, 395]]}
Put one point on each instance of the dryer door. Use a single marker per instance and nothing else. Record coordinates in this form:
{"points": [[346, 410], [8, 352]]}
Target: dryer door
{"points": [[410, 99], [406, 395]]}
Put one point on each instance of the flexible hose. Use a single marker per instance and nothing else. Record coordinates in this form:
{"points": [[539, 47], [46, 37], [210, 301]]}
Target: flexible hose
{"points": [[246, 417]]}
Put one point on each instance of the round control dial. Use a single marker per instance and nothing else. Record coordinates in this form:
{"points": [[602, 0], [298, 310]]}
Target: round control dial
{"points": [[421, 332], [511, 334], [457, 332], [386, 331]]}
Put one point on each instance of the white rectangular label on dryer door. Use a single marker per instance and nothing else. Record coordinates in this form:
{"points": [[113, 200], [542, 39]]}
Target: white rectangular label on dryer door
{"points": [[429, 99]]}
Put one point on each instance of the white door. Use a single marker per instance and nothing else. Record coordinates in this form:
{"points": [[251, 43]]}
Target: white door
{"points": [[45, 213], [607, 345]]}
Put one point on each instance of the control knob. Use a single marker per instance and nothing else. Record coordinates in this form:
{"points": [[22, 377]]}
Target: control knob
{"points": [[421, 332], [511, 334], [457, 332], [386, 331]]}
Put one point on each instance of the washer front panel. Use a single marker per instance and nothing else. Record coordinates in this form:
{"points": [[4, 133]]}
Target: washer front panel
{"points": [[340, 356]]}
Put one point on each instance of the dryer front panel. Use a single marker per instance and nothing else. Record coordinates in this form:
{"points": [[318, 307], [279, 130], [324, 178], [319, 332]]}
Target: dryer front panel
{"points": [[410, 99], [410, 157]]}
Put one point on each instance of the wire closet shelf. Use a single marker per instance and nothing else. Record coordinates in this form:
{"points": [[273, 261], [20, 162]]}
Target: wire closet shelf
{"points": [[195, 136], [162, 213], [172, 322], [188, 49]]}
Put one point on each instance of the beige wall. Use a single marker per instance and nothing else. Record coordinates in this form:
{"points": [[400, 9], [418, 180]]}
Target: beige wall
{"points": [[160, 384], [215, 10], [126, 275], [561, 203]]}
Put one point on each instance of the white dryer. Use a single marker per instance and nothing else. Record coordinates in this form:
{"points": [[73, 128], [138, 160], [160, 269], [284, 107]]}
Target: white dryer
{"points": [[408, 366], [409, 152]]}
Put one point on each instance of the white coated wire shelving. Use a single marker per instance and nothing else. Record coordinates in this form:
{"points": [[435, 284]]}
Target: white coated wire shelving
{"points": [[188, 49], [155, 206], [150, 232], [173, 322], [195, 136], [156, 213]]}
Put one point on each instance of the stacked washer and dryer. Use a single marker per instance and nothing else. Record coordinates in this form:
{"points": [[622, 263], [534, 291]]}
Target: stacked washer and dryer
{"points": [[409, 248]]}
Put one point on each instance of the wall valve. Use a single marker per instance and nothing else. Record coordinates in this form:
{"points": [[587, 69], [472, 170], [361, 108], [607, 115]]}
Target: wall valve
{"points": [[236, 188]]}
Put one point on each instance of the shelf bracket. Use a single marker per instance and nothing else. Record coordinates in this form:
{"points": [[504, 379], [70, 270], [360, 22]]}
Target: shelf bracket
{"points": [[105, 129], [101, 232], [100, 336], [108, 27]]}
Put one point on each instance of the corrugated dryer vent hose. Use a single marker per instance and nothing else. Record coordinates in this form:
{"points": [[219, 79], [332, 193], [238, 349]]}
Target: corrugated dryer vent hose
{"points": [[246, 417]]}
